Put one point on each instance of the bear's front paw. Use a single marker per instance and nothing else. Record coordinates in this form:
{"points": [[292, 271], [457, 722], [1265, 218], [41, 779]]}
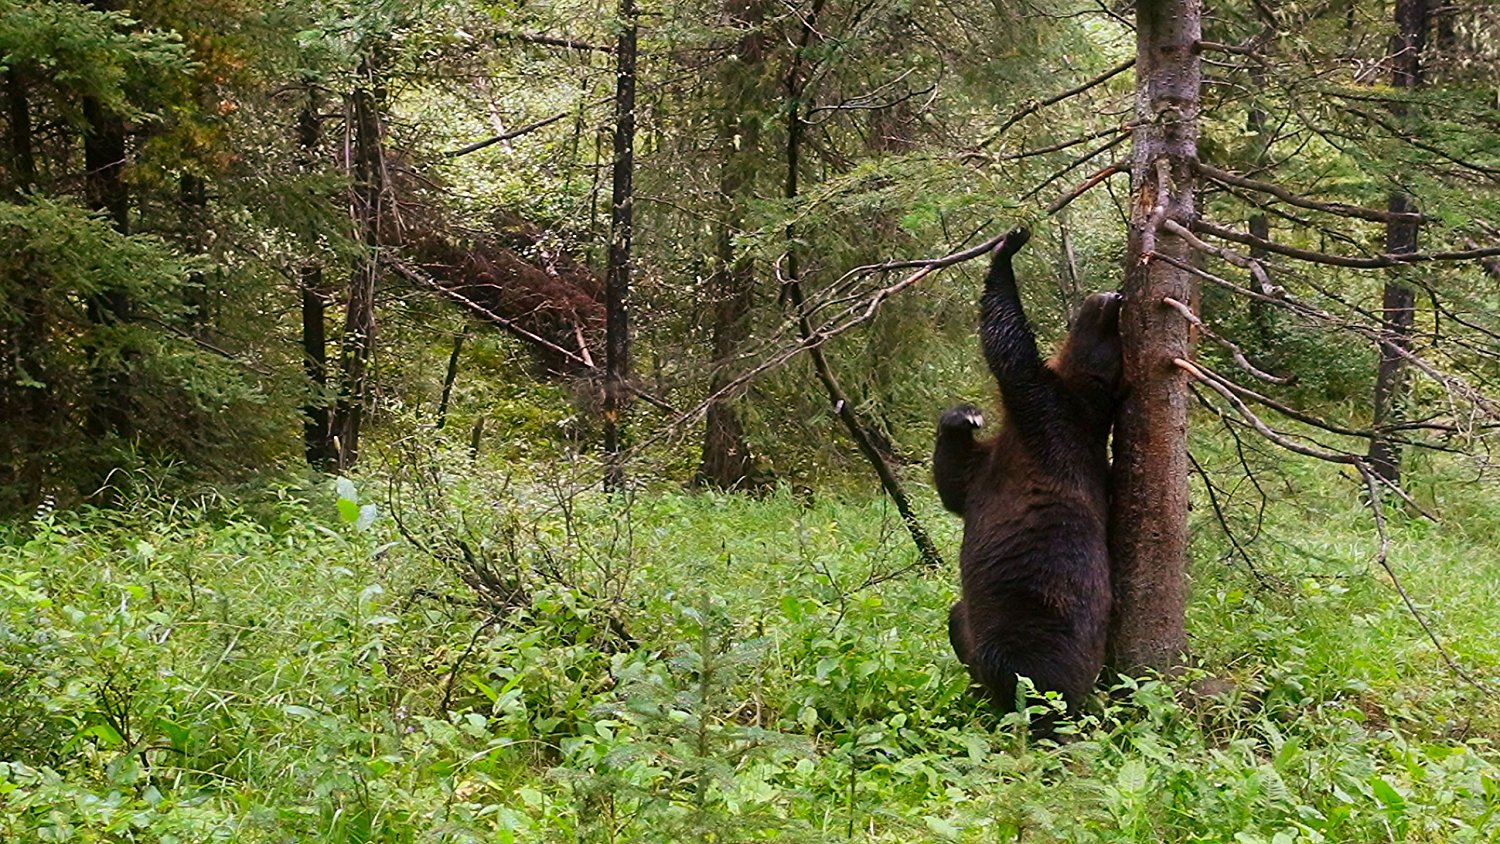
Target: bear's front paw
{"points": [[1013, 241], [963, 416]]}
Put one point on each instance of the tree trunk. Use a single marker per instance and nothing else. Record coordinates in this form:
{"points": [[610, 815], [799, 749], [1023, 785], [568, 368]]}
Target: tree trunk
{"points": [[110, 407], [192, 197], [1262, 314], [1148, 531], [1398, 301], [18, 111], [359, 313], [617, 278], [317, 423], [26, 397], [727, 462]]}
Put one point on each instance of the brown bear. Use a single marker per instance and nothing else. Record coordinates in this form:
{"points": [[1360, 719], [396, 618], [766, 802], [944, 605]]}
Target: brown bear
{"points": [[1034, 565]]}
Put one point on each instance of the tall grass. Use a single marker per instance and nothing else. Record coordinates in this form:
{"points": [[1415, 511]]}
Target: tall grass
{"points": [[716, 668]]}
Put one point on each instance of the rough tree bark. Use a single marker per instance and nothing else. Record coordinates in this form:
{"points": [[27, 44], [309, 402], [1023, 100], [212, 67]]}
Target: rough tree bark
{"points": [[796, 82], [727, 462], [1398, 302], [359, 314], [617, 277], [1148, 530]]}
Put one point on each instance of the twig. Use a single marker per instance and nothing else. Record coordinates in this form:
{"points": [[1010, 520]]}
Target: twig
{"points": [[1228, 345], [1213, 501], [1382, 558], [1036, 105], [1260, 426], [1123, 130], [447, 700], [1223, 387], [1084, 187]]}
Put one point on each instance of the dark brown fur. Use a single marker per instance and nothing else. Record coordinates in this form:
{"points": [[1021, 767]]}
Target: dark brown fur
{"points": [[1034, 566]]}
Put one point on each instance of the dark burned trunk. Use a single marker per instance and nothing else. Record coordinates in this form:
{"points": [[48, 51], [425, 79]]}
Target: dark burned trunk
{"points": [[727, 462], [317, 436], [1148, 530], [192, 198], [26, 397], [617, 278], [1398, 301], [792, 291], [359, 313], [317, 424], [110, 406], [18, 112], [449, 378]]}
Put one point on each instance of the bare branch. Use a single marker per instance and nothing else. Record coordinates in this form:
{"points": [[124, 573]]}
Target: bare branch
{"points": [[1492, 172], [1278, 296], [1260, 426], [421, 279], [1123, 130], [1084, 187], [1228, 345], [1158, 210], [827, 332], [557, 41], [514, 133], [1281, 193], [1234, 540], [1372, 262]]}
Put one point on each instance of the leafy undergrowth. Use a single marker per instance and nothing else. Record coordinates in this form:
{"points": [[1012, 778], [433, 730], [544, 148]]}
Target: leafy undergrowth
{"points": [[679, 667]]}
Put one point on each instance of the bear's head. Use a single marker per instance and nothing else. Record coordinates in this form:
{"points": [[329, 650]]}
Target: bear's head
{"points": [[1090, 358]]}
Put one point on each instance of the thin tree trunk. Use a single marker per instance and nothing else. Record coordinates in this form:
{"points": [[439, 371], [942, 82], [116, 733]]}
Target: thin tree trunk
{"points": [[792, 290], [359, 313], [26, 396], [18, 111], [317, 437], [617, 277], [449, 378], [317, 423], [110, 408], [192, 197], [727, 462], [1398, 301], [1262, 314], [1148, 530]]}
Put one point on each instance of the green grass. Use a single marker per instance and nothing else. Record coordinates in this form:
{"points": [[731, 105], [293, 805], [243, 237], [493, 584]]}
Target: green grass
{"points": [[261, 670]]}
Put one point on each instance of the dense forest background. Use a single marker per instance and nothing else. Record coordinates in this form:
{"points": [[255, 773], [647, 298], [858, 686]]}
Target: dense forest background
{"points": [[472, 421]]}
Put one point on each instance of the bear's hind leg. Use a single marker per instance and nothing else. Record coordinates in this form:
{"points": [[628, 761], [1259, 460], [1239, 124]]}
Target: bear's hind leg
{"points": [[958, 632]]}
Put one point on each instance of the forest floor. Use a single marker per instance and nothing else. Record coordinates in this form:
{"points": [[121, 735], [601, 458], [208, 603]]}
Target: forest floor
{"points": [[276, 664]]}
